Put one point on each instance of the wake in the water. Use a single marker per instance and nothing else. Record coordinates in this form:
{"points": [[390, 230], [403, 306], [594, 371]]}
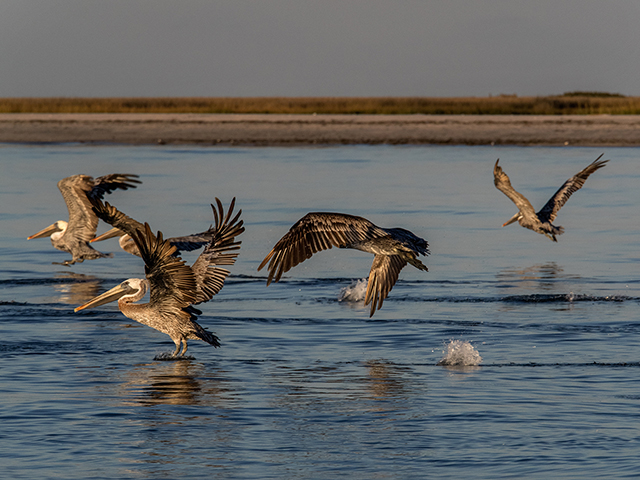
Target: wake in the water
{"points": [[460, 354], [355, 292]]}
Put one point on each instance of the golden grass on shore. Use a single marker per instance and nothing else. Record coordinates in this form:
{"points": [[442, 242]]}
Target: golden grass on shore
{"points": [[576, 103]]}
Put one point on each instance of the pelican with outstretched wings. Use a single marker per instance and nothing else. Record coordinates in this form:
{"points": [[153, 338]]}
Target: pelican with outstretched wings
{"points": [[174, 286], [540, 222], [393, 249], [78, 191]]}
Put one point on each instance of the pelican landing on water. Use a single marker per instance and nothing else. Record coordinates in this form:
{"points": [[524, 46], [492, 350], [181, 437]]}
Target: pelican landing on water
{"points": [[174, 286], [74, 236], [393, 249], [541, 222]]}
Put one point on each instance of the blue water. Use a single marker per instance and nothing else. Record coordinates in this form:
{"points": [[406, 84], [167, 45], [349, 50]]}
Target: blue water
{"points": [[306, 385]]}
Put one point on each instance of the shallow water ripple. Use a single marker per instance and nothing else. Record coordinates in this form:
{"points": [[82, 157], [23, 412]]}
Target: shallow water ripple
{"points": [[306, 385]]}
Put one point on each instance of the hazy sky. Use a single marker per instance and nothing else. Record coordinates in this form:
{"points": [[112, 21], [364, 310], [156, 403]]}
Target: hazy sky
{"points": [[317, 47]]}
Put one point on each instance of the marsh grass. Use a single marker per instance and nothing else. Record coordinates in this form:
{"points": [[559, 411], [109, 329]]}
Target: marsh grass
{"points": [[581, 103]]}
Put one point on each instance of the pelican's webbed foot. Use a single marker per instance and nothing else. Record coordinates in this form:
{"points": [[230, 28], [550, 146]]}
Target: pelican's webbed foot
{"points": [[66, 263]]}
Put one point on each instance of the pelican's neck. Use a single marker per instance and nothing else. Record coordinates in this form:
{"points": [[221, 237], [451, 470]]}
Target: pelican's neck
{"points": [[124, 241], [135, 311]]}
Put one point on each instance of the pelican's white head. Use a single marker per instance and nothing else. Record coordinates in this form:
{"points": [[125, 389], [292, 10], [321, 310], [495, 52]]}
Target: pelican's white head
{"points": [[55, 231], [133, 289]]}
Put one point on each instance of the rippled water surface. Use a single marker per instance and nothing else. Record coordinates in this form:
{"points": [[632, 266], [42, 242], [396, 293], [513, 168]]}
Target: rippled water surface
{"points": [[306, 385]]}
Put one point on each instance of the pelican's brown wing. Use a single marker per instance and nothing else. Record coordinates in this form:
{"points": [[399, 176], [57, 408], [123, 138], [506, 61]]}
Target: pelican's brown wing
{"points": [[172, 283], [76, 191], [382, 277], [114, 217], [502, 183], [187, 243], [316, 232], [222, 250], [111, 215], [82, 221], [549, 212]]}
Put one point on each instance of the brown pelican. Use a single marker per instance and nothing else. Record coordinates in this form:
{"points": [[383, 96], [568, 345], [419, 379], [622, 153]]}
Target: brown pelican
{"points": [[74, 236], [393, 249], [186, 243], [541, 222], [174, 286]]}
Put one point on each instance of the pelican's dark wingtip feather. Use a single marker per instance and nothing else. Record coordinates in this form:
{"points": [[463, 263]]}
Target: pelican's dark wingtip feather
{"points": [[264, 262], [111, 182], [216, 221], [550, 210], [222, 250], [230, 210]]}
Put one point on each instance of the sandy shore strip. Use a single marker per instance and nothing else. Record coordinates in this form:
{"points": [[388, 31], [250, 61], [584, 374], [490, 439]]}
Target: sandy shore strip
{"points": [[282, 130]]}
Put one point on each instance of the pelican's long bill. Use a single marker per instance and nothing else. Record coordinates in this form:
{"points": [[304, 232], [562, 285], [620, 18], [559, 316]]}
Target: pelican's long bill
{"points": [[110, 296], [515, 218], [114, 232], [47, 232]]}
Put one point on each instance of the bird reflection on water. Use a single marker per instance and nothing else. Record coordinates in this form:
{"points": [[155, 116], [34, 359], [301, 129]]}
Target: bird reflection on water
{"points": [[384, 379], [345, 387], [544, 276], [175, 383], [75, 288]]}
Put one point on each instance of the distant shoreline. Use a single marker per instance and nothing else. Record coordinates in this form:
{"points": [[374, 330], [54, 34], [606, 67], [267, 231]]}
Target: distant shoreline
{"points": [[321, 129]]}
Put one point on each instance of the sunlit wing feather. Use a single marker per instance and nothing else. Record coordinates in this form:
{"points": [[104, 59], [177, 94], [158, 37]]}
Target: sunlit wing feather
{"points": [[222, 250], [502, 183], [382, 277], [313, 233], [549, 212], [82, 222]]}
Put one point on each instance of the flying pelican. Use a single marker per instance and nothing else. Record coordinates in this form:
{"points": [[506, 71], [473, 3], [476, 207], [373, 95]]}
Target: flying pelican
{"points": [[393, 249], [541, 222], [174, 286], [187, 243], [74, 236]]}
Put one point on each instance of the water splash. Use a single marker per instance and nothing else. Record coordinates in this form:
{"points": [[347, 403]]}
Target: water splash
{"points": [[459, 353], [354, 292]]}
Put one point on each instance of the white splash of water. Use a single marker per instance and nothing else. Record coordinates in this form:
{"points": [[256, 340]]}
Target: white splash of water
{"points": [[354, 292], [459, 353]]}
